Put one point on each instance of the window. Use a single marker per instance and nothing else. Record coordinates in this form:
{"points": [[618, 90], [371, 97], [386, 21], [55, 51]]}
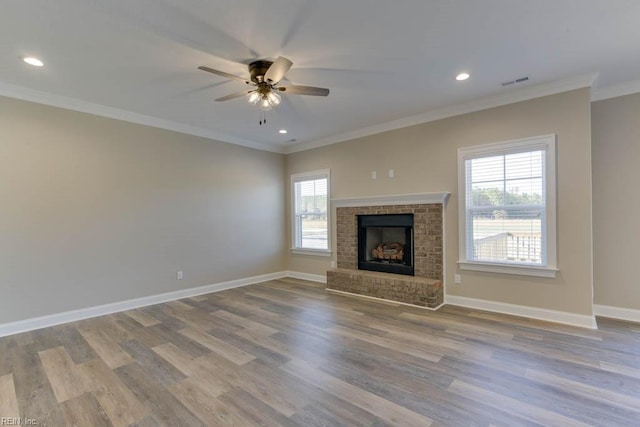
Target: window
{"points": [[311, 212], [507, 207]]}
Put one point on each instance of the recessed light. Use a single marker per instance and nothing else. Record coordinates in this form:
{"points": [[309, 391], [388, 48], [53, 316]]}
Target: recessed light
{"points": [[462, 76], [33, 61], [283, 131]]}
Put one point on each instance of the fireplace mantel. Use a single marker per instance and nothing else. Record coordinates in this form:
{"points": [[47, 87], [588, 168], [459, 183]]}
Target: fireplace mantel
{"points": [[395, 199]]}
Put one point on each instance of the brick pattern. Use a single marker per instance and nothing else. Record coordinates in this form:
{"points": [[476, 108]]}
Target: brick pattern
{"points": [[423, 289], [395, 287], [427, 231]]}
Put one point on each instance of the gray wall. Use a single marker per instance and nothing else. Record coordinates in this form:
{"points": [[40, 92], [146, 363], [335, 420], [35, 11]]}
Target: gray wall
{"points": [[616, 206], [425, 160], [94, 210]]}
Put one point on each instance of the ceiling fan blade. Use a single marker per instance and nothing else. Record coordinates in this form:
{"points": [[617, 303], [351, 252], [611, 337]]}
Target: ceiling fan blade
{"points": [[304, 90], [223, 74], [234, 95], [277, 70]]}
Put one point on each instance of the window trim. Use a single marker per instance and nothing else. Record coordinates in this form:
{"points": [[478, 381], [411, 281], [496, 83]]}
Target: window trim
{"points": [[543, 142], [306, 176]]}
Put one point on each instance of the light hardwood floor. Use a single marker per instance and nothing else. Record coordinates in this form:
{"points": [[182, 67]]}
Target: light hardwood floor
{"points": [[287, 353]]}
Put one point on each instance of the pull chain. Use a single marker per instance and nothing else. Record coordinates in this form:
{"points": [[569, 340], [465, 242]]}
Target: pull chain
{"points": [[263, 118]]}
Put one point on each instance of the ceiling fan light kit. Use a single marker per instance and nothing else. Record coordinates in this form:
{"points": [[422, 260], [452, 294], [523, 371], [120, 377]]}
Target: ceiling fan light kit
{"points": [[265, 76], [273, 98], [253, 97]]}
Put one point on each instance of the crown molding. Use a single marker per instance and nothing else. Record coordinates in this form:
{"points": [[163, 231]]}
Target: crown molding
{"points": [[50, 99], [395, 199], [513, 96], [599, 94]]}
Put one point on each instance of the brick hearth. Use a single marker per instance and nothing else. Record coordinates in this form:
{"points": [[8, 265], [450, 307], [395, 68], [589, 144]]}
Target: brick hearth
{"points": [[393, 287]]}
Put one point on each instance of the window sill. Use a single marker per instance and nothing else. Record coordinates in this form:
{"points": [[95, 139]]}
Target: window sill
{"points": [[316, 252], [520, 270]]}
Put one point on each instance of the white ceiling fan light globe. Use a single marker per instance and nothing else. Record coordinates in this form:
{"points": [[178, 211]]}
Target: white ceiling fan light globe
{"points": [[253, 98], [264, 104], [273, 98]]}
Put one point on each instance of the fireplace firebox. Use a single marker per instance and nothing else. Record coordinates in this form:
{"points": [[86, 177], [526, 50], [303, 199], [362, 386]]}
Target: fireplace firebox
{"points": [[385, 243]]}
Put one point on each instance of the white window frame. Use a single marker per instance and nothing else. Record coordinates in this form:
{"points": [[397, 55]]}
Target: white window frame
{"points": [[549, 262], [307, 176]]}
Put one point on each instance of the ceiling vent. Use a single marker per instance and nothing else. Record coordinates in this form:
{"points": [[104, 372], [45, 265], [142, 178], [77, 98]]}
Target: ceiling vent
{"points": [[512, 82]]}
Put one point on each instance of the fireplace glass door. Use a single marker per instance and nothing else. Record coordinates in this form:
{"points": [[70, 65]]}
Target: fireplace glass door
{"points": [[385, 243]]}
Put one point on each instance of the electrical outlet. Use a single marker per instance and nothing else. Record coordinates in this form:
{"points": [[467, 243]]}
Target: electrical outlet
{"points": [[392, 173], [374, 175], [179, 275], [457, 278], [333, 264]]}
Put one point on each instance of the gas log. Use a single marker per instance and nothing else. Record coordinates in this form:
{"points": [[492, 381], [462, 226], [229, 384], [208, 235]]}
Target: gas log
{"points": [[391, 251]]}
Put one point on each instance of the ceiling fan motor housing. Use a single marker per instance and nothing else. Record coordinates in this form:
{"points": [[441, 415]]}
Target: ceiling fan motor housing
{"points": [[258, 69]]}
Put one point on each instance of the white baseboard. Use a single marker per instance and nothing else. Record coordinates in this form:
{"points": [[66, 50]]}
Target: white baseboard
{"points": [[306, 276], [573, 319], [100, 310], [382, 300], [516, 310], [619, 313]]}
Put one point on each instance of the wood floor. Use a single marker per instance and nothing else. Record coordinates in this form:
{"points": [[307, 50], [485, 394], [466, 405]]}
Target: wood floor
{"points": [[287, 353]]}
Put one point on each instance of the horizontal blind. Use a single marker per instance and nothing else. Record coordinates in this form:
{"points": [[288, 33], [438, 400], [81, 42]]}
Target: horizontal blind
{"points": [[505, 208], [310, 209]]}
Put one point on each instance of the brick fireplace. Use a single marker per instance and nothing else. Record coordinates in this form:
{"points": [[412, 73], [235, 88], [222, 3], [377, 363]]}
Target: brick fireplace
{"points": [[422, 288]]}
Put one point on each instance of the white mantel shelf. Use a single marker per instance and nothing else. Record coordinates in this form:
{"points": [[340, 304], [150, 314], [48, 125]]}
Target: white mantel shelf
{"points": [[395, 199]]}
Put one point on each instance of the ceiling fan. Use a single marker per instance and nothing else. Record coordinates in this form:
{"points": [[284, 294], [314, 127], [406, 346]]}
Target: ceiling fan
{"points": [[265, 77]]}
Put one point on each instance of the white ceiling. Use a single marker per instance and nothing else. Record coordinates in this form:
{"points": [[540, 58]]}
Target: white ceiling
{"points": [[383, 61]]}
